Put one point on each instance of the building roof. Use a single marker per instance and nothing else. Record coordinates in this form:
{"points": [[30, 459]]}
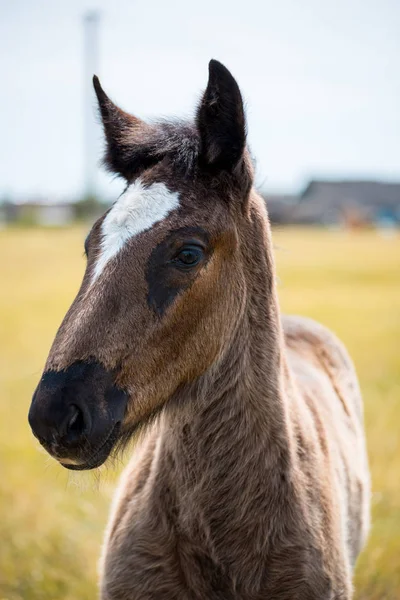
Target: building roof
{"points": [[340, 194]]}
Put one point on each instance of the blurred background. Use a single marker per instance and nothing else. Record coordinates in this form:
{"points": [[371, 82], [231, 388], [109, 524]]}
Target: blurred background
{"points": [[321, 81]]}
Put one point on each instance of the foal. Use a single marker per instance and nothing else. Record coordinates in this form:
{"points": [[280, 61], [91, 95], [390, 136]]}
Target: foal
{"points": [[250, 480]]}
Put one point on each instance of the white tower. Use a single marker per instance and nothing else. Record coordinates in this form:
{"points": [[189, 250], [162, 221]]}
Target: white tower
{"points": [[91, 62]]}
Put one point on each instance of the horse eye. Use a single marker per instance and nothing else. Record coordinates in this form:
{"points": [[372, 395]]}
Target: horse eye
{"points": [[189, 256]]}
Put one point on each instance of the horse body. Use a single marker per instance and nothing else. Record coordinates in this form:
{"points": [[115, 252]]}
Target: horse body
{"points": [[250, 478]]}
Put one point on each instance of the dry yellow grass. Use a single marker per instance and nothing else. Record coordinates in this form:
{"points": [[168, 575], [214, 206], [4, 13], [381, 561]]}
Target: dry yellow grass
{"points": [[51, 524]]}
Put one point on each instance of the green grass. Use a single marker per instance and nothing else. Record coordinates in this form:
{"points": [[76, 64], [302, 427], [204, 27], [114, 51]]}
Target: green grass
{"points": [[51, 523]]}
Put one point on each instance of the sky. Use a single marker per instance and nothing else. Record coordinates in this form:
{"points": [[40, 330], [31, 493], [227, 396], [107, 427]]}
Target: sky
{"points": [[320, 79]]}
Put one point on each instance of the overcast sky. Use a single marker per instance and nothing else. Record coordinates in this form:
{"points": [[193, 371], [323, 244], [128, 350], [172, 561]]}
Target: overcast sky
{"points": [[320, 78]]}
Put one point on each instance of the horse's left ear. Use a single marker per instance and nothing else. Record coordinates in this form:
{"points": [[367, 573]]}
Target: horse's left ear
{"points": [[126, 150], [220, 119]]}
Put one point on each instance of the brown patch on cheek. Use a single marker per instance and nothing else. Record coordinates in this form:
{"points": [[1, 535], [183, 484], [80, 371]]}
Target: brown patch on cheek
{"points": [[197, 322], [208, 311], [190, 336]]}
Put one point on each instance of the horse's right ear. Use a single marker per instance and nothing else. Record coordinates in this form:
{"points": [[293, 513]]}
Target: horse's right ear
{"points": [[221, 120], [124, 136]]}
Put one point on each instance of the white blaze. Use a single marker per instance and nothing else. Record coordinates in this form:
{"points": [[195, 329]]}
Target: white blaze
{"points": [[137, 210]]}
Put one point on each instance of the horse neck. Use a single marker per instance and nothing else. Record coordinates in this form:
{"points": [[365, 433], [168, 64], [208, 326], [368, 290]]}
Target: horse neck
{"points": [[226, 442]]}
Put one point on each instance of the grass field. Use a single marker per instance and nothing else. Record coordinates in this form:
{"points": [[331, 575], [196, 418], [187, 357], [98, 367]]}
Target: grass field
{"points": [[51, 524]]}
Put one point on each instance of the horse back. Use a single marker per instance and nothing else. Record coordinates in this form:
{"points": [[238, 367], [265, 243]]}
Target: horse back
{"points": [[326, 415]]}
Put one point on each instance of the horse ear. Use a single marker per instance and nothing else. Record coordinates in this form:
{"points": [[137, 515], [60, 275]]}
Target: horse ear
{"points": [[220, 119], [124, 135]]}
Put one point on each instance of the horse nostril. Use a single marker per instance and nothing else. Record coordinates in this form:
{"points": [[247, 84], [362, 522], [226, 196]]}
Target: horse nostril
{"points": [[75, 423]]}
